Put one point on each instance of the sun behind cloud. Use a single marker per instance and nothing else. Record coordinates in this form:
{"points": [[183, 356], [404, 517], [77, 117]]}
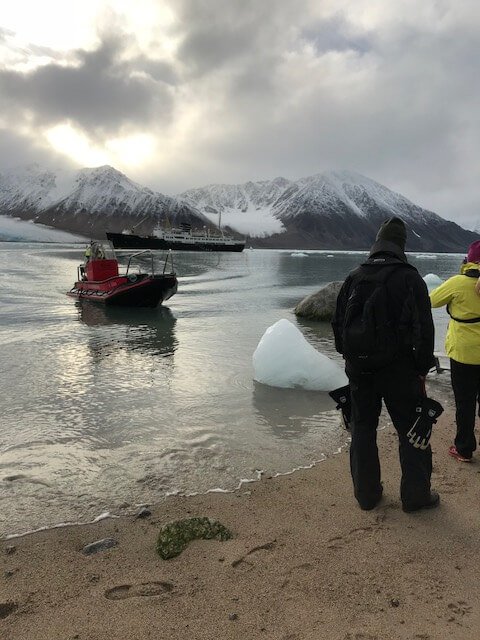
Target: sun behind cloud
{"points": [[126, 151]]}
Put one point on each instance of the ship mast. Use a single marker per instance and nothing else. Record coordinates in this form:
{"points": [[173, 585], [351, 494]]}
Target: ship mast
{"points": [[220, 222]]}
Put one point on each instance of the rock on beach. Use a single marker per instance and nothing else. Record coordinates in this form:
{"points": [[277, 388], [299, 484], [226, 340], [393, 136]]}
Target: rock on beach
{"points": [[320, 305]]}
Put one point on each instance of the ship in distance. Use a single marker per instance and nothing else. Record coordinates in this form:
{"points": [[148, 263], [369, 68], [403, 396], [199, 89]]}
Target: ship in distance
{"points": [[183, 238]]}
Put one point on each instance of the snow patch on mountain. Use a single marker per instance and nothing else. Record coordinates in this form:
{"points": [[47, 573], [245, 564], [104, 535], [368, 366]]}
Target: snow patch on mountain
{"points": [[246, 208], [253, 221]]}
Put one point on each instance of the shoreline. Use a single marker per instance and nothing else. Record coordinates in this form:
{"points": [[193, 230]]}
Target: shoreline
{"points": [[304, 563], [107, 515]]}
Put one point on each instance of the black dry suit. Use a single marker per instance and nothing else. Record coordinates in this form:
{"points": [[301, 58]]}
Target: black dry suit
{"points": [[403, 353]]}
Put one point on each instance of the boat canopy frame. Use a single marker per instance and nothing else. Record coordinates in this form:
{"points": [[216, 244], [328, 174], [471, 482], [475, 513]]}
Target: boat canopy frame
{"points": [[168, 258]]}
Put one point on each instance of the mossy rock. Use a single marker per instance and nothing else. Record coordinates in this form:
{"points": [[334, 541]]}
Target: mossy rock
{"points": [[175, 536]]}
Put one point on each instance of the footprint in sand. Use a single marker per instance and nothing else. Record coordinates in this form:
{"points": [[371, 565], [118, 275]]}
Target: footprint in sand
{"points": [[145, 589], [460, 608]]}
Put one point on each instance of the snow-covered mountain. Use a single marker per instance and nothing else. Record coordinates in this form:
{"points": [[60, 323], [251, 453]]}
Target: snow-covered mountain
{"points": [[335, 209], [332, 210], [89, 201]]}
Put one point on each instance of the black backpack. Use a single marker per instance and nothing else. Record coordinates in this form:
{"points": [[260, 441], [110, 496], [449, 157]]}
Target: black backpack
{"points": [[369, 333]]}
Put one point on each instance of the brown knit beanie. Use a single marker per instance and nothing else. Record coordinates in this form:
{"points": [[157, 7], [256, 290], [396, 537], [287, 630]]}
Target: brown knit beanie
{"points": [[393, 230]]}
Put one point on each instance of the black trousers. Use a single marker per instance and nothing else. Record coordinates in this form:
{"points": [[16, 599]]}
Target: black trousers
{"points": [[400, 388], [466, 389]]}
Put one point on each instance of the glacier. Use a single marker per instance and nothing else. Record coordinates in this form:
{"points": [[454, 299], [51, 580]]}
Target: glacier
{"points": [[14, 230]]}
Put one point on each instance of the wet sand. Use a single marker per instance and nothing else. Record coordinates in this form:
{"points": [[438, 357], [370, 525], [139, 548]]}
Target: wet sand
{"points": [[305, 563]]}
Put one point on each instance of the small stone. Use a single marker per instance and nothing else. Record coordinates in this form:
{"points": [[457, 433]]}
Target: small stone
{"points": [[8, 573], [99, 545], [233, 616], [221, 559], [93, 578], [394, 602], [10, 550], [143, 513]]}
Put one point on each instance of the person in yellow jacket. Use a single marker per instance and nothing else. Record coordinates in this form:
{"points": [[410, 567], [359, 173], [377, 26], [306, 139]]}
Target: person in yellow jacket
{"points": [[462, 345]]}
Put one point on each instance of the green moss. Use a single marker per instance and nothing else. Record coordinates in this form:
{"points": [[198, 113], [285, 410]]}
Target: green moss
{"points": [[175, 536]]}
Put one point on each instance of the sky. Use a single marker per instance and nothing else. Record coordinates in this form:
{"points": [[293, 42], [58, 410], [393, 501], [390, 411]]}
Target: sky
{"points": [[183, 93]]}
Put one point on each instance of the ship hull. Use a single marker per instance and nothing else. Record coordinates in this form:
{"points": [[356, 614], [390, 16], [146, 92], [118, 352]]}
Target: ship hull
{"points": [[145, 291], [132, 241]]}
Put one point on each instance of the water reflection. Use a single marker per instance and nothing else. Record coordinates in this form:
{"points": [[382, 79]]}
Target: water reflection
{"points": [[292, 413], [150, 331]]}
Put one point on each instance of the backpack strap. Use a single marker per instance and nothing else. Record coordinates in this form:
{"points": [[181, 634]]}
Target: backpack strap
{"points": [[466, 321]]}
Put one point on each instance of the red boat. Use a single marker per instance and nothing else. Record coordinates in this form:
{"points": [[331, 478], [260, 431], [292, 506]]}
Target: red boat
{"points": [[100, 280]]}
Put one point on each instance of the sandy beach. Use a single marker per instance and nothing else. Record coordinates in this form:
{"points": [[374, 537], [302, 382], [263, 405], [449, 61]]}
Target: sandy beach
{"points": [[304, 563]]}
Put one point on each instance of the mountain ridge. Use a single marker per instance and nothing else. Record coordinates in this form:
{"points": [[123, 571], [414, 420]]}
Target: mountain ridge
{"points": [[336, 209]]}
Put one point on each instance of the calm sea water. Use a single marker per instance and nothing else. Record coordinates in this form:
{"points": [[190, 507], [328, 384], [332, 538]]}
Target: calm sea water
{"points": [[105, 409]]}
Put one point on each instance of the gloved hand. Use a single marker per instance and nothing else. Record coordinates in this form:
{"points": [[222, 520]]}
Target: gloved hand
{"points": [[342, 398], [426, 414]]}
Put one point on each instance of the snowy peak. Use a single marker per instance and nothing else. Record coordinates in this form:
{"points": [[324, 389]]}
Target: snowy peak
{"points": [[104, 189], [27, 187], [89, 201], [334, 209]]}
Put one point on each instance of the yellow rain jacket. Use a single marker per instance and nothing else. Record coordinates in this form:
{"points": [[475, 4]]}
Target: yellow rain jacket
{"points": [[462, 342]]}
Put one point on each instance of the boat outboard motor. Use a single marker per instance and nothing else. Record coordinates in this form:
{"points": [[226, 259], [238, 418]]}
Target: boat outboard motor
{"points": [[427, 412], [344, 403]]}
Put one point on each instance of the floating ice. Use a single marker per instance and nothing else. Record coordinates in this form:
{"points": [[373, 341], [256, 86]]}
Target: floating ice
{"points": [[299, 254], [432, 281], [283, 358], [426, 256]]}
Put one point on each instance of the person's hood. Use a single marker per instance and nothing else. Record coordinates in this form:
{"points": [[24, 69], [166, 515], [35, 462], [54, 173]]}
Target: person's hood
{"points": [[386, 246], [472, 267]]}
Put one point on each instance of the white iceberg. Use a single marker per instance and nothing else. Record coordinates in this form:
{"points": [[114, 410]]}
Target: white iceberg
{"points": [[284, 358], [432, 281]]}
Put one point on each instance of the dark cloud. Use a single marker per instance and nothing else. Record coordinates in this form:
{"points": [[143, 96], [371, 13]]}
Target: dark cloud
{"points": [[217, 35], [334, 34], [100, 93]]}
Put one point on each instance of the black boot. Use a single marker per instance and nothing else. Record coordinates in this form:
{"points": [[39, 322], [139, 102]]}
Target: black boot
{"points": [[432, 502]]}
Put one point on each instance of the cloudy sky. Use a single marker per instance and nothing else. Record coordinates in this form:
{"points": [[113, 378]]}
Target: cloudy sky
{"points": [[184, 93]]}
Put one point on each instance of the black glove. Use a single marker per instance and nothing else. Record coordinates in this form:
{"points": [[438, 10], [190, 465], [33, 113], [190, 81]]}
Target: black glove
{"points": [[342, 398], [426, 414]]}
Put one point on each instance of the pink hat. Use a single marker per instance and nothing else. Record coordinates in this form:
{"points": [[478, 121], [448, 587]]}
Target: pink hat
{"points": [[473, 254]]}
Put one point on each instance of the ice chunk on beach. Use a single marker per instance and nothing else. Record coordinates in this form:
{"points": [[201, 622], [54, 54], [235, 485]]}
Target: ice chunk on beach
{"points": [[284, 358], [432, 281]]}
